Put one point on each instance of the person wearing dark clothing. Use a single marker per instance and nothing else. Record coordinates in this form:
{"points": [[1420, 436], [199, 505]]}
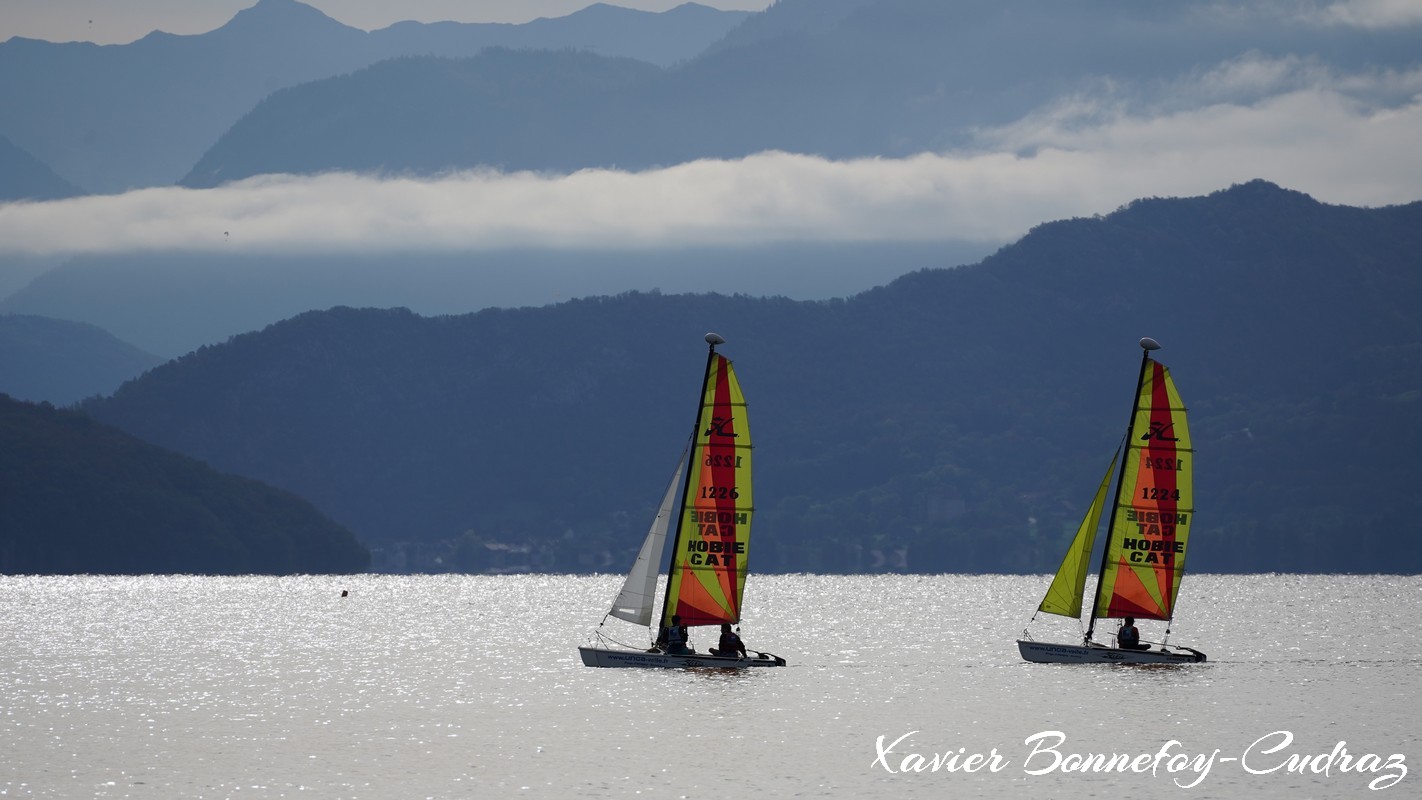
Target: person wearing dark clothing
{"points": [[677, 637], [730, 645], [1128, 638]]}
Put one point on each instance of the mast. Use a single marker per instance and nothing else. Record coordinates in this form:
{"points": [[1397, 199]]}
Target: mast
{"points": [[1147, 345], [712, 339]]}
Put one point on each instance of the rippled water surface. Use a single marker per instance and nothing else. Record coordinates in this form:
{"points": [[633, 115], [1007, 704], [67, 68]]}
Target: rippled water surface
{"points": [[463, 686]]}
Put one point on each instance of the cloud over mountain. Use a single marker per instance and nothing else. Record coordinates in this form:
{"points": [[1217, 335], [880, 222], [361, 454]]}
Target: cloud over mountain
{"points": [[1335, 136]]}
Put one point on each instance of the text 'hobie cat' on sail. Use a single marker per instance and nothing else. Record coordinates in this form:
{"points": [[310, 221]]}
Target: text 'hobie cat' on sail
{"points": [[707, 574], [1143, 559]]}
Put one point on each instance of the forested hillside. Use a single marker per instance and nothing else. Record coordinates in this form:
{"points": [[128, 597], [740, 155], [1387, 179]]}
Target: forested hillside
{"points": [[955, 420], [80, 497]]}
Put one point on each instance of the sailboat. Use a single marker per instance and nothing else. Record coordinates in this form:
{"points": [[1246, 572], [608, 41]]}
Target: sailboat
{"points": [[707, 574], [1143, 559]]}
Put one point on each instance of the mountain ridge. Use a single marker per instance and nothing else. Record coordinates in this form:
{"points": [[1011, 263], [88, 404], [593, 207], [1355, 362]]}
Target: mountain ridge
{"points": [[108, 118], [63, 362], [962, 401], [25, 177], [85, 498], [882, 78]]}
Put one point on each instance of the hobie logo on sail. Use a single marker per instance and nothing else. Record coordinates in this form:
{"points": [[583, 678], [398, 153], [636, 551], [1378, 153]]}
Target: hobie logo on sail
{"points": [[1153, 518], [1159, 551], [717, 427], [1159, 431], [713, 553], [709, 551], [1161, 525], [712, 518]]}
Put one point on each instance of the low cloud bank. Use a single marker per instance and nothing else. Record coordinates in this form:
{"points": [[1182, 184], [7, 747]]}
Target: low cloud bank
{"points": [[1347, 139]]}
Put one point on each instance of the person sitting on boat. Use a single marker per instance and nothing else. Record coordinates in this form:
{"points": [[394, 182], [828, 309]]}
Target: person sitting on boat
{"points": [[1128, 638], [677, 637], [730, 645]]}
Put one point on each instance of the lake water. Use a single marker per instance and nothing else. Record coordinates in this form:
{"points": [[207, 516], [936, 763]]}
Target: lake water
{"points": [[464, 686]]}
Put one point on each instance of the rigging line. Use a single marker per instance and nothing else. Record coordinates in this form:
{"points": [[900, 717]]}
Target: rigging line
{"points": [[607, 638]]}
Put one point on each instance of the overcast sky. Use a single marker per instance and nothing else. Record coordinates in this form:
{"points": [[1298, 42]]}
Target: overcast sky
{"points": [[122, 21]]}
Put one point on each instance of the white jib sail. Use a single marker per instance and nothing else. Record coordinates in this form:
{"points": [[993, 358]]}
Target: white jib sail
{"points": [[634, 602]]}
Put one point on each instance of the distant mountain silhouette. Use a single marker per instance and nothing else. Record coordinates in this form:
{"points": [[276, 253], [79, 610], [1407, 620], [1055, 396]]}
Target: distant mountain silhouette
{"points": [[24, 177], [664, 38], [63, 362], [109, 118], [841, 79], [958, 417], [171, 303], [81, 497], [431, 114]]}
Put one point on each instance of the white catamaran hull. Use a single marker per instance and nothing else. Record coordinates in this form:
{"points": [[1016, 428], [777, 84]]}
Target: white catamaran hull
{"points": [[603, 657], [1044, 653]]}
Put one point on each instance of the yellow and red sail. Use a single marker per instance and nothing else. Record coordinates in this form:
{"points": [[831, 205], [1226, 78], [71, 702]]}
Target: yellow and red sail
{"points": [[708, 569], [1154, 505]]}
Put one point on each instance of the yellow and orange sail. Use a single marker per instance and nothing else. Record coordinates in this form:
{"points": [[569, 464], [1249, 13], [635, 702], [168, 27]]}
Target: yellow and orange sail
{"points": [[1155, 502], [708, 569]]}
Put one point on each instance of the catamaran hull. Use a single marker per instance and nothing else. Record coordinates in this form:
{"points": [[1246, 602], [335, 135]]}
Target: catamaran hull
{"points": [[1043, 653], [603, 657]]}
